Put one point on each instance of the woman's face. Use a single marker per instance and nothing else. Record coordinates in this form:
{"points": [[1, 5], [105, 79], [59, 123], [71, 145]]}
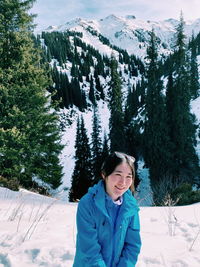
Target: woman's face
{"points": [[119, 181]]}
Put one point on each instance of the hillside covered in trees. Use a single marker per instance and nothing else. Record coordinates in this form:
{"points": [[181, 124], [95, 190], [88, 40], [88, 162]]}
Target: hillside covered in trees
{"points": [[149, 101]]}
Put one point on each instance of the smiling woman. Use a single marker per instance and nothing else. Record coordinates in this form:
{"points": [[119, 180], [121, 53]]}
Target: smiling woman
{"points": [[108, 230], [119, 181]]}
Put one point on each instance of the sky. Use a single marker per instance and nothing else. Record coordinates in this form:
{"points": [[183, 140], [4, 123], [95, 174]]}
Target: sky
{"points": [[57, 12]]}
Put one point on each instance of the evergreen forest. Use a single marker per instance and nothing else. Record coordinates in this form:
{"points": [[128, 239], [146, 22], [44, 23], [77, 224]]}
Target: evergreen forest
{"points": [[149, 102]]}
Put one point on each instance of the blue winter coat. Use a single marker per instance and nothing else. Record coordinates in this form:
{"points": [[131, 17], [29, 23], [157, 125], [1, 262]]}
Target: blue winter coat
{"points": [[95, 243]]}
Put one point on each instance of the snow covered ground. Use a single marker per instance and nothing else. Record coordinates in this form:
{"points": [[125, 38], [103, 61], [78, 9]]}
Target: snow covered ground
{"points": [[41, 231]]}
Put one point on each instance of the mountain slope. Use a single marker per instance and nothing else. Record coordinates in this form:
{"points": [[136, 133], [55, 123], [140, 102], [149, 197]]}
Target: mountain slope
{"points": [[128, 32], [106, 36]]}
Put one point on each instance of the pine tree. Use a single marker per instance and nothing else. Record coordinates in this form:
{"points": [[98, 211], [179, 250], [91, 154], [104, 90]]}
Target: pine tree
{"points": [[29, 136], [54, 87], [181, 121], [82, 175], [156, 139], [85, 67], [105, 147], [74, 70], [116, 123], [96, 145], [132, 124], [99, 88], [194, 74], [77, 95], [132, 104], [91, 92], [141, 89], [65, 90]]}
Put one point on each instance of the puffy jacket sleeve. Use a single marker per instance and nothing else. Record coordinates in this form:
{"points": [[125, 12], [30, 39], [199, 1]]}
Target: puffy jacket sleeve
{"points": [[87, 242], [132, 244]]}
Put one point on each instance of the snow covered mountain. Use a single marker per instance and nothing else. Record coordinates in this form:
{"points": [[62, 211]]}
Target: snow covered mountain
{"points": [[128, 32], [106, 35]]}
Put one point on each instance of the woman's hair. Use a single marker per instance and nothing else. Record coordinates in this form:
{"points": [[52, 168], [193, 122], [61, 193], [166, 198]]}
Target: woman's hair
{"points": [[113, 160]]}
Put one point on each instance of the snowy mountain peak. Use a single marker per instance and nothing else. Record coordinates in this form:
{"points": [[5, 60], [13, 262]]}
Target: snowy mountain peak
{"points": [[130, 17], [51, 28], [112, 17], [172, 21], [128, 32]]}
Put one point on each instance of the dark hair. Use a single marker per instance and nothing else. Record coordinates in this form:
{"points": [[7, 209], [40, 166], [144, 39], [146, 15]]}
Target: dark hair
{"points": [[113, 160]]}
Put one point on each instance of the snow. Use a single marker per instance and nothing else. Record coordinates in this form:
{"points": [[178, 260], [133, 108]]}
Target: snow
{"points": [[68, 139], [144, 193], [36, 230], [69, 135], [123, 32], [128, 33]]}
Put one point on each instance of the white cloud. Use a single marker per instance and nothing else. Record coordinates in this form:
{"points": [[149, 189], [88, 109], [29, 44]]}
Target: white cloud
{"points": [[55, 12]]}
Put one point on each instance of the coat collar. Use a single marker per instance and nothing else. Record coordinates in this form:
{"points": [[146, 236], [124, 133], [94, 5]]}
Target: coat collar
{"points": [[128, 207]]}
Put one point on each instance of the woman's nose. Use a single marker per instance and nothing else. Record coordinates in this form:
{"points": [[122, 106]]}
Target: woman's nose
{"points": [[122, 180]]}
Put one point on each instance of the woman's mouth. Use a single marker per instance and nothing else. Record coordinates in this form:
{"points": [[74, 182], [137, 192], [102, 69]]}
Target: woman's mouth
{"points": [[120, 188]]}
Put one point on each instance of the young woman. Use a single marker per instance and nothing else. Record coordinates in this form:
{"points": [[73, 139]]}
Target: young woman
{"points": [[108, 230]]}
